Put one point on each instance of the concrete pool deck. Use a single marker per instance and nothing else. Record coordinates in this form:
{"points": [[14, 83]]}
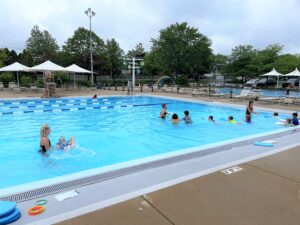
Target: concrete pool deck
{"points": [[266, 191]]}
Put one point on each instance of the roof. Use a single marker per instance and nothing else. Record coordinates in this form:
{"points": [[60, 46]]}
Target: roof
{"points": [[15, 67], [76, 69], [47, 66]]}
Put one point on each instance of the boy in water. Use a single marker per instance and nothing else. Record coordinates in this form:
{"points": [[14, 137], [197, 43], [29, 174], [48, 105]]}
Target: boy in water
{"points": [[65, 145], [187, 118]]}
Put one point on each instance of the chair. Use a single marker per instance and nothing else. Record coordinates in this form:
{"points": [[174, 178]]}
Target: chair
{"points": [[243, 95], [269, 99], [288, 100], [1, 86], [199, 91]]}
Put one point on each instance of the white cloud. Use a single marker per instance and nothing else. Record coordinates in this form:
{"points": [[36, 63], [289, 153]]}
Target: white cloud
{"points": [[227, 22]]}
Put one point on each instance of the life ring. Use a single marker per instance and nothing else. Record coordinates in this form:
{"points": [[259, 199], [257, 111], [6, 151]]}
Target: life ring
{"points": [[36, 210]]}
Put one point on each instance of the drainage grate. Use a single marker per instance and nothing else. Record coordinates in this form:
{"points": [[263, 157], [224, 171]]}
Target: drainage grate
{"points": [[19, 197]]}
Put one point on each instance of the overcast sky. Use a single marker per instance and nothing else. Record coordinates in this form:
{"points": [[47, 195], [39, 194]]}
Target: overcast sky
{"points": [[227, 23]]}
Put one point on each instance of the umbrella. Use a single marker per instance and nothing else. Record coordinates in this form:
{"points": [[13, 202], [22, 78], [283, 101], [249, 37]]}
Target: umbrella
{"points": [[16, 67], [273, 73], [76, 69]]}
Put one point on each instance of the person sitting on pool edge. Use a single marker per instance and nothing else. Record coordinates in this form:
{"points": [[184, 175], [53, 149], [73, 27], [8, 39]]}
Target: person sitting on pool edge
{"points": [[187, 118], [295, 121], [175, 118], [65, 145], [163, 112], [45, 143]]}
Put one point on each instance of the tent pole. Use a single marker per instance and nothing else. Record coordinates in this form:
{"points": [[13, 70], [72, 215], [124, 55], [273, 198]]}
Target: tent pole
{"points": [[18, 81]]}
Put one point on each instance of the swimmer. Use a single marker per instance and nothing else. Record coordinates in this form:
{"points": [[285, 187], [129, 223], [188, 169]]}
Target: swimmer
{"points": [[295, 121], [211, 119], [45, 143], [288, 122], [65, 145], [275, 115], [248, 117], [187, 118], [94, 97], [175, 118], [250, 108], [163, 112], [231, 120]]}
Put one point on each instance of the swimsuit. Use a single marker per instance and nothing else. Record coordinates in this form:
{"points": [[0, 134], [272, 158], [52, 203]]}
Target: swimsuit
{"points": [[43, 148]]}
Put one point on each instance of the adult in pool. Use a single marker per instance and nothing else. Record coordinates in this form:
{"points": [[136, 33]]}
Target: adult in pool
{"points": [[45, 142]]}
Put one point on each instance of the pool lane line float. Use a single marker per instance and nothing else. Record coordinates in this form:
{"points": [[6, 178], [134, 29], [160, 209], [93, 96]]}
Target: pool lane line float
{"points": [[36, 210], [263, 144], [41, 202]]}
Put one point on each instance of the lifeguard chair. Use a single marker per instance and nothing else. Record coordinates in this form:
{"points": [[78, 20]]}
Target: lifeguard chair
{"points": [[50, 86]]}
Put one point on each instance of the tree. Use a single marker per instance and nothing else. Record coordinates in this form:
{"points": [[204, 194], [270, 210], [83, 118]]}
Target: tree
{"points": [[3, 56], [138, 52], [264, 59], [115, 57], [41, 45], [77, 50], [26, 58], [286, 63], [241, 62], [151, 66], [182, 50]]}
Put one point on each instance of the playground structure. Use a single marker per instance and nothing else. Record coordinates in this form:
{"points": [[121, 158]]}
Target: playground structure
{"points": [[162, 80]]}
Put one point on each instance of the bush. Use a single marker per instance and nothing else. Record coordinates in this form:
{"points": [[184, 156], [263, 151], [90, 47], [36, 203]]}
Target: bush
{"points": [[25, 81], [6, 78], [39, 83], [182, 80], [85, 83]]}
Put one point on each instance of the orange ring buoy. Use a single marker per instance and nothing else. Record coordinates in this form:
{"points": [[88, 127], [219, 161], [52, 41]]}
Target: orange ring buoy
{"points": [[36, 210]]}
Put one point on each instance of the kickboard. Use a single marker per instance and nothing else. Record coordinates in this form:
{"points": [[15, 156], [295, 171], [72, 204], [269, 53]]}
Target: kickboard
{"points": [[6, 207], [15, 215], [264, 144]]}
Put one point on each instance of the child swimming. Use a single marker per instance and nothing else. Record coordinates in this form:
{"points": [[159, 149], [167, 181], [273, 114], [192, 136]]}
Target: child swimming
{"points": [[65, 145], [187, 118]]}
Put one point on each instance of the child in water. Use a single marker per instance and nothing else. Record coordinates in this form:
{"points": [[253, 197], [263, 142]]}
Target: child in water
{"points": [[175, 118], [65, 145], [187, 118], [231, 120]]}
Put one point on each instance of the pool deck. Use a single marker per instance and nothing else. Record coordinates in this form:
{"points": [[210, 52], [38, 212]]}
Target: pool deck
{"points": [[265, 192]]}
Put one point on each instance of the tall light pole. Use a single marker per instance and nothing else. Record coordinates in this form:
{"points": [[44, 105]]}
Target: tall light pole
{"points": [[90, 14]]}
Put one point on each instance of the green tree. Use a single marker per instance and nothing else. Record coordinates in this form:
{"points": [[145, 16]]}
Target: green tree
{"points": [[26, 58], [3, 56], [138, 52], [286, 63], [151, 65], [115, 57], [264, 59], [41, 45], [241, 62], [77, 50], [182, 50]]}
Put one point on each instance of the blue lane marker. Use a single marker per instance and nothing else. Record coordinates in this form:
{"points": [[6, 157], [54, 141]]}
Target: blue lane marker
{"points": [[72, 109]]}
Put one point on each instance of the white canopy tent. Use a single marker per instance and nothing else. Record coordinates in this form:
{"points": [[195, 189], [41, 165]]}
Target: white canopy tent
{"points": [[47, 66], [76, 69], [295, 73], [273, 73], [15, 67]]}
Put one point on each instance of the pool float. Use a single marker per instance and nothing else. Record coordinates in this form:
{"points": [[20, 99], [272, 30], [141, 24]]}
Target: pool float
{"points": [[264, 144], [36, 210]]}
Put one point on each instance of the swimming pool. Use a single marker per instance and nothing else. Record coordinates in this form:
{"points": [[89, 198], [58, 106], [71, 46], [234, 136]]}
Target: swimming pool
{"points": [[108, 131], [267, 93]]}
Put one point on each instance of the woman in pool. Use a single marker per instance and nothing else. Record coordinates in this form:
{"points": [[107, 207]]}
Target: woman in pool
{"points": [[45, 143], [65, 145], [175, 118], [163, 112]]}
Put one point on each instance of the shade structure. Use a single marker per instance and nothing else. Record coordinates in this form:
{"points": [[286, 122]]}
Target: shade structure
{"points": [[15, 67], [76, 69], [47, 66], [295, 73], [273, 73]]}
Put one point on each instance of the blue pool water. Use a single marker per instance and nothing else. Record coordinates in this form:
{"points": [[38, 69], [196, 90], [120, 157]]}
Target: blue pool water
{"points": [[107, 131]]}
